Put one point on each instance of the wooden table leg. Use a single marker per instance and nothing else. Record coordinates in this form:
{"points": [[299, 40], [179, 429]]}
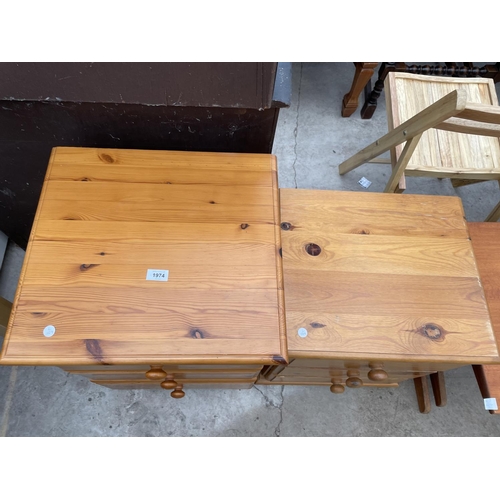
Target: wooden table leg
{"points": [[422, 391], [364, 71], [438, 388]]}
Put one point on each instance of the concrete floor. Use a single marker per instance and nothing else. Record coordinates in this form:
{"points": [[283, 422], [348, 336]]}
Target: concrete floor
{"points": [[311, 140]]}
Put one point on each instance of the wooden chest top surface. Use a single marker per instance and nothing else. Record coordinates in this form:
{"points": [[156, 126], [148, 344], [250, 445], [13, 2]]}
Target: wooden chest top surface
{"points": [[106, 217], [386, 277]]}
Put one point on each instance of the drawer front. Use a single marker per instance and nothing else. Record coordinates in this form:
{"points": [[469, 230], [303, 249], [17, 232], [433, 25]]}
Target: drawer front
{"points": [[212, 383], [327, 374], [279, 380], [167, 368], [342, 379], [241, 373], [388, 366]]}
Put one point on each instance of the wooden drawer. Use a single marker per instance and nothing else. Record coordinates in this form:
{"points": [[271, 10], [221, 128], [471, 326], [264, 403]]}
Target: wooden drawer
{"points": [[213, 383], [338, 368], [233, 373], [341, 375], [398, 366], [316, 381], [167, 368]]}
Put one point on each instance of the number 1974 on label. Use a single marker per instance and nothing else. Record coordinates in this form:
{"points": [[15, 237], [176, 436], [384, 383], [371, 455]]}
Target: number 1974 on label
{"points": [[157, 275]]}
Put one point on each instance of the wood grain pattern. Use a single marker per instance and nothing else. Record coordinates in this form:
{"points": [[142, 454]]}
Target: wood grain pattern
{"points": [[485, 238], [107, 216], [422, 216], [389, 292]]}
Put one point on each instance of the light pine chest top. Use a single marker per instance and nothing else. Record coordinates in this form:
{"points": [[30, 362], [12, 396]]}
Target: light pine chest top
{"points": [[370, 276], [106, 217]]}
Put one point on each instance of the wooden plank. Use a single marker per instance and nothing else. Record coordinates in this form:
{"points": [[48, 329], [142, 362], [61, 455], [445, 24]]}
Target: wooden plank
{"points": [[373, 336], [152, 253], [155, 211], [363, 254], [338, 293], [169, 160], [480, 112], [160, 175], [420, 169], [166, 196], [469, 127], [140, 232], [76, 352], [373, 213], [181, 276], [157, 313]]}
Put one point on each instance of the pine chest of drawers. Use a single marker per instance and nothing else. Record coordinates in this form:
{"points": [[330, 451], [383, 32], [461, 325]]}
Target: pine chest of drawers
{"points": [[153, 268], [158, 269]]}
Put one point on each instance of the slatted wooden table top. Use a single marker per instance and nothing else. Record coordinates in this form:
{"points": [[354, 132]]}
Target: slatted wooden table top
{"points": [[387, 277], [106, 217]]}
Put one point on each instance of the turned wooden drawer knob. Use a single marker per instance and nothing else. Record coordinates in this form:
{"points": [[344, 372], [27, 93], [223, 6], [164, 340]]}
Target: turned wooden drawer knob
{"points": [[337, 388], [156, 373], [353, 381], [170, 383], [377, 374], [178, 393]]}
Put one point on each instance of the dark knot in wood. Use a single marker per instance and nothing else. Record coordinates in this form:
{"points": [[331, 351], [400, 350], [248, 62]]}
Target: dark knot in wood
{"points": [[313, 249], [315, 324], [244, 226], [106, 158], [94, 348], [286, 226], [431, 331], [197, 333], [85, 267]]}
